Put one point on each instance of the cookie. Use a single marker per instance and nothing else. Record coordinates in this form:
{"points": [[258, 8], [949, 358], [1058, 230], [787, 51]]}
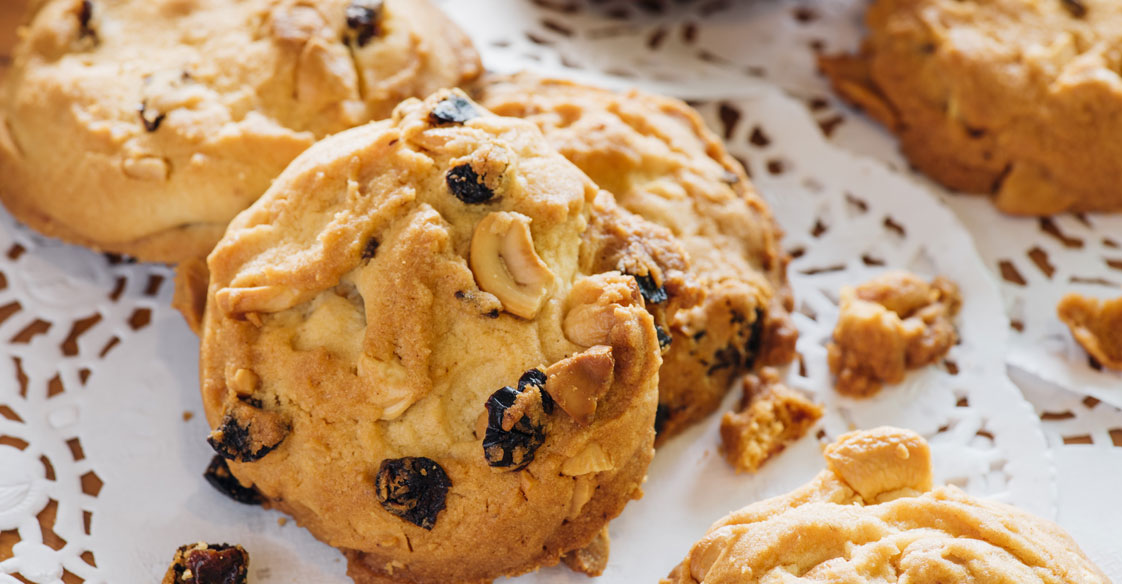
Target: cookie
{"points": [[419, 344], [1017, 98], [888, 325], [771, 416], [1096, 326], [873, 516], [661, 162], [143, 127], [203, 563]]}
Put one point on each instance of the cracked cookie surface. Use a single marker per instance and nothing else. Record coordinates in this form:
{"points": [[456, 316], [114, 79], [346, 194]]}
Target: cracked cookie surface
{"points": [[1019, 98], [873, 516], [889, 325], [143, 126], [452, 389], [655, 155]]}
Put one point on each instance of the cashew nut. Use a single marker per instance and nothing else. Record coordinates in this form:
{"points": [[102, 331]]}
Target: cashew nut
{"points": [[506, 264], [578, 383], [268, 299]]}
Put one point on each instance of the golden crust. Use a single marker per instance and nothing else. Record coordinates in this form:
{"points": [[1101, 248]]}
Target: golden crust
{"points": [[1096, 325], [343, 302], [1012, 97], [888, 325], [143, 127], [661, 162], [873, 516]]}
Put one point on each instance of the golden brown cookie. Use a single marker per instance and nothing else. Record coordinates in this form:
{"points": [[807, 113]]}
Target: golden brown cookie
{"points": [[1019, 98], [419, 344], [873, 517], [661, 162], [771, 416], [143, 126], [888, 325], [1096, 325]]}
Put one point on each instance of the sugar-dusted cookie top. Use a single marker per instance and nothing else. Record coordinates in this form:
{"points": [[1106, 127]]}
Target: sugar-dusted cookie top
{"points": [[144, 126]]}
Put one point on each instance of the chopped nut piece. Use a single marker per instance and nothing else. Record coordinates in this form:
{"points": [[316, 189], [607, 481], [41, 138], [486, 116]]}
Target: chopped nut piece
{"points": [[592, 307], [1096, 325], [888, 325], [506, 264], [202, 563], [578, 383], [244, 382], [270, 299], [591, 559], [591, 459], [770, 417]]}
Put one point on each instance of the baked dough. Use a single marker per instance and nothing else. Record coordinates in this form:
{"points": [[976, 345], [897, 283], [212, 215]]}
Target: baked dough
{"points": [[873, 517], [143, 126]]}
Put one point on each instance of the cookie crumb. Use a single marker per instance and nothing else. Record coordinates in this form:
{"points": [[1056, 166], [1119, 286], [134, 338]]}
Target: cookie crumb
{"points": [[770, 417], [888, 325], [1096, 326]]}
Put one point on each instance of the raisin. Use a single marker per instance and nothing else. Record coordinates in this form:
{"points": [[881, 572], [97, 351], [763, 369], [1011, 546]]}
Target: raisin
{"points": [[454, 109], [371, 249], [536, 378], [513, 449], [726, 358], [755, 340], [1076, 8], [363, 20], [662, 415], [209, 564], [247, 433], [664, 339], [651, 292], [219, 476], [413, 488], [467, 185], [151, 122], [85, 21]]}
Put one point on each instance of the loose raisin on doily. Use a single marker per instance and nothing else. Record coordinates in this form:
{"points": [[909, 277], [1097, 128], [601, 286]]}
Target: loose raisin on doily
{"points": [[755, 341], [468, 186], [651, 291], [208, 564], [219, 476], [150, 118], [247, 432], [364, 21], [454, 109], [413, 488], [514, 448], [1076, 8]]}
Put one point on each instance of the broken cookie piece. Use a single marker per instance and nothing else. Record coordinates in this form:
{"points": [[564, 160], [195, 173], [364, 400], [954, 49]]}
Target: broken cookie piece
{"points": [[770, 417], [888, 325], [203, 563], [1096, 325]]}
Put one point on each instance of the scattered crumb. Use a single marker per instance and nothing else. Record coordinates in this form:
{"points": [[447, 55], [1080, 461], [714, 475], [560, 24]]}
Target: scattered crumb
{"points": [[888, 325], [282, 521], [771, 416], [188, 416], [1096, 325]]}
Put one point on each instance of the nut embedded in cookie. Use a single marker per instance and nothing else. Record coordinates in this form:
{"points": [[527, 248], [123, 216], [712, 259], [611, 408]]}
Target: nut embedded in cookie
{"points": [[873, 516], [1096, 325], [888, 325]]}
